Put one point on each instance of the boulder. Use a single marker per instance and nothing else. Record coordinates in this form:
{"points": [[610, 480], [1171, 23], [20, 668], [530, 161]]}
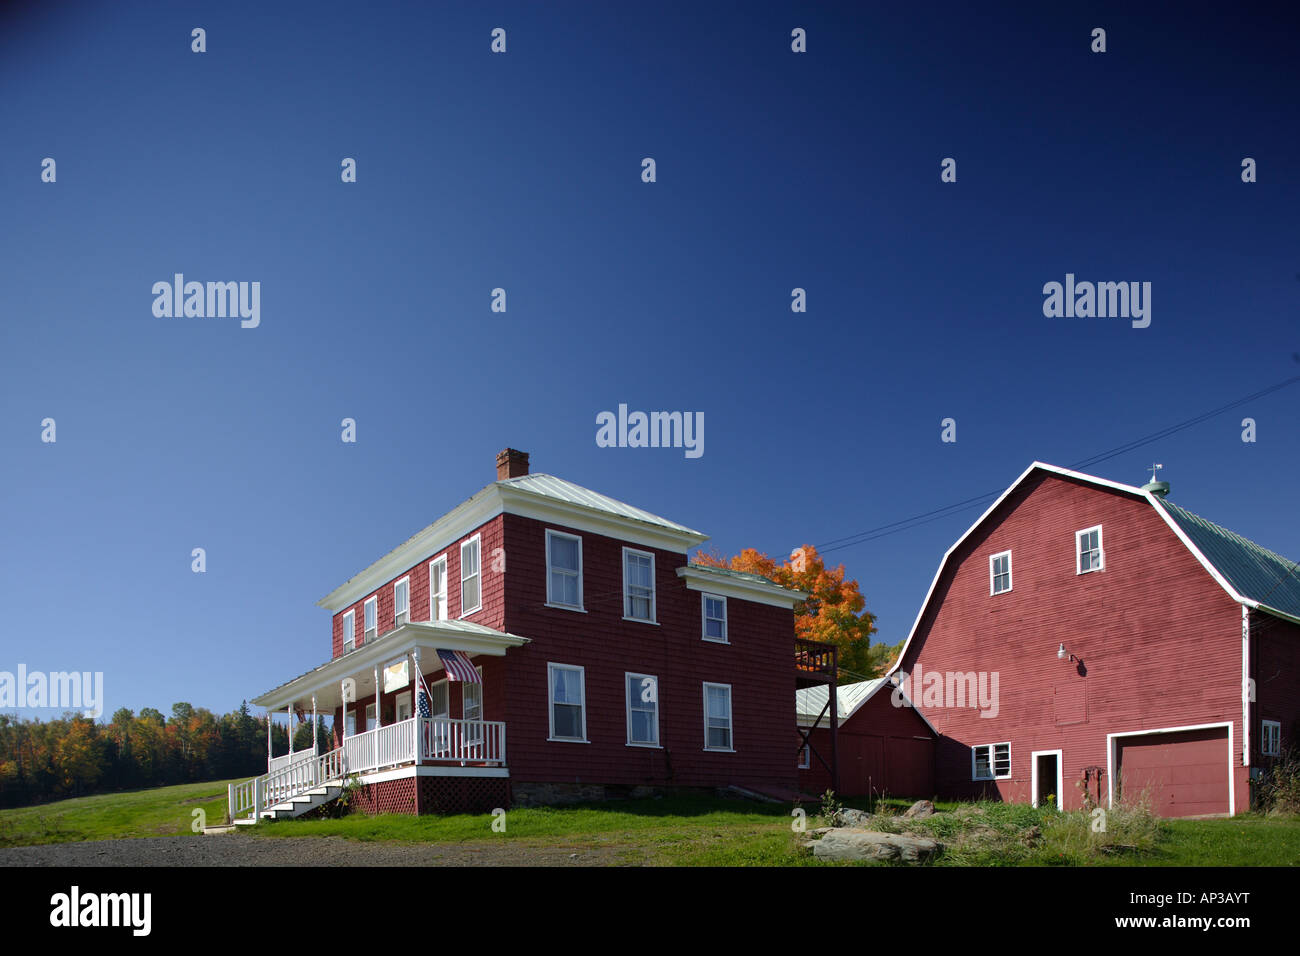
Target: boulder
{"points": [[919, 810], [848, 817], [853, 844]]}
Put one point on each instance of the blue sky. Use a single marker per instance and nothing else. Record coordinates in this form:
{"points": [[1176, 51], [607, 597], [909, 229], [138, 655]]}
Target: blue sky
{"points": [[522, 170]]}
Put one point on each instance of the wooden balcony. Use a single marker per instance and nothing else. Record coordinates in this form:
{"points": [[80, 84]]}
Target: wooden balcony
{"points": [[815, 662]]}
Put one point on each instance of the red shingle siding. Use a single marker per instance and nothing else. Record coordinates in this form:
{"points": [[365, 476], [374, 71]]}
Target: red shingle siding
{"points": [[492, 588], [1159, 639], [757, 663]]}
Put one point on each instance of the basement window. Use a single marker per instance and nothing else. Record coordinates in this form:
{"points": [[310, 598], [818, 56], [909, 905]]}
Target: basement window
{"points": [[1088, 550], [990, 761], [1000, 573], [1270, 740]]}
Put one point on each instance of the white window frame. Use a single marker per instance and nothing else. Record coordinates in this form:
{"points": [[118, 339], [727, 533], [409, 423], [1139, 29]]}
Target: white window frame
{"points": [[445, 713], [993, 575], [805, 757], [550, 701], [550, 598], [477, 543], [993, 766], [349, 630], [1275, 726], [398, 610], [439, 562], [731, 720], [627, 693], [371, 720], [654, 614], [368, 634], [473, 732], [350, 721], [1078, 551], [705, 598], [403, 701]]}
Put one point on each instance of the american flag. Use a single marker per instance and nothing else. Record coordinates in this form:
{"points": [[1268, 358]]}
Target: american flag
{"points": [[459, 666], [422, 695]]}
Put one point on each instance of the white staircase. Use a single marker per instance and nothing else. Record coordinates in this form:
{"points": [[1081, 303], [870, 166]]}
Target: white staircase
{"points": [[288, 792]]}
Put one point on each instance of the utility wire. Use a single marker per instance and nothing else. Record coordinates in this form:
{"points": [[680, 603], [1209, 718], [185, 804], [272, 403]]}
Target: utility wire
{"points": [[925, 517]]}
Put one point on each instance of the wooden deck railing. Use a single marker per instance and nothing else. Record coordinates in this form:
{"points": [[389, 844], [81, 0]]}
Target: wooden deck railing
{"points": [[816, 659]]}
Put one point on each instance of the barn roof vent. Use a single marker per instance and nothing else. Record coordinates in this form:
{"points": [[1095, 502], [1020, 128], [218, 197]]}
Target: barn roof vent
{"points": [[1158, 488]]}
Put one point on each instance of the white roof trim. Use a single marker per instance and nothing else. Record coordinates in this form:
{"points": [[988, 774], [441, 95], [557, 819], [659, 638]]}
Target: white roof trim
{"points": [[1088, 479], [773, 594], [806, 720]]}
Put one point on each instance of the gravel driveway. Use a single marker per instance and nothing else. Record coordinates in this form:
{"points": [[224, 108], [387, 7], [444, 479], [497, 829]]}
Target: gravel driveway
{"points": [[237, 849]]}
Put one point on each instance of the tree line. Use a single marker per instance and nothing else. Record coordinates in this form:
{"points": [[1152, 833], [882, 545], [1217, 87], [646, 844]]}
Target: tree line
{"points": [[76, 756]]}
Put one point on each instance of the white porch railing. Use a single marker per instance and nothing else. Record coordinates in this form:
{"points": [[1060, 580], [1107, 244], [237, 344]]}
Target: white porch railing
{"points": [[279, 763], [414, 740], [253, 796]]}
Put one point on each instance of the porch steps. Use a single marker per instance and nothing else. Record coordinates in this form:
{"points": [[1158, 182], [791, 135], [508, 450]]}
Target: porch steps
{"points": [[298, 805]]}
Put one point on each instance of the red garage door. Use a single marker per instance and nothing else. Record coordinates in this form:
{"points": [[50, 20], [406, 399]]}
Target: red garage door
{"points": [[1183, 774]]}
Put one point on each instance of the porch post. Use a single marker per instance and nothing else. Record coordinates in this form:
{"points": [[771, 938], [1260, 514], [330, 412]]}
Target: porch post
{"points": [[289, 710], [268, 741], [417, 688], [343, 731], [315, 747], [379, 717]]}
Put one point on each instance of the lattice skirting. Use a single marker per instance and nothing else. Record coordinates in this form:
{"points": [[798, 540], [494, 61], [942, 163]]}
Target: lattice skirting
{"points": [[435, 795], [463, 794], [390, 796]]}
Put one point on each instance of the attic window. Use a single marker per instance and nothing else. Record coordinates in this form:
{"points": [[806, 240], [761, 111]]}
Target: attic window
{"points": [[1000, 573], [1088, 551]]}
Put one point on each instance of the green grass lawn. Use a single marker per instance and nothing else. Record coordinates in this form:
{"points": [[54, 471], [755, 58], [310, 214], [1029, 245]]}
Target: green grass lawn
{"points": [[684, 830], [162, 811]]}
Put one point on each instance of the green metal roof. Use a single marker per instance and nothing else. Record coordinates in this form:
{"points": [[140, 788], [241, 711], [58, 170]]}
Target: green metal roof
{"points": [[1254, 572]]}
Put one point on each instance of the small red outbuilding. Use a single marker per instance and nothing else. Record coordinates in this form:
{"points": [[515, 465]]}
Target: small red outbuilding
{"points": [[886, 747]]}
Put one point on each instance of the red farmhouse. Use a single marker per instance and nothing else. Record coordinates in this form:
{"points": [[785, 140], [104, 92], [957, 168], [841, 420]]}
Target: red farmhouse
{"points": [[574, 622], [1085, 633]]}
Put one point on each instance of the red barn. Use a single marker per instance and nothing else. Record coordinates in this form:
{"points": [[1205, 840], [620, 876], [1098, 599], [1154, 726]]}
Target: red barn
{"points": [[885, 747], [570, 619], [1085, 633]]}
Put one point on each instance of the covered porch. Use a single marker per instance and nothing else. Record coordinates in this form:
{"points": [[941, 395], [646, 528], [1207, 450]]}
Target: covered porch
{"points": [[390, 700]]}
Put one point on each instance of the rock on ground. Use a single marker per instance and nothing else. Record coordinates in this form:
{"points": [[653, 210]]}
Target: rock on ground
{"points": [[854, 844]]}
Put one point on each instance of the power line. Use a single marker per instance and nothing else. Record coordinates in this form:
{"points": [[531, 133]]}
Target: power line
{"points": [[925, 517]]}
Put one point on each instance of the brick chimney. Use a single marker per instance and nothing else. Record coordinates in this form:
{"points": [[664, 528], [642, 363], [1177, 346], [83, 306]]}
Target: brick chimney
{"points": [[511, 464]]}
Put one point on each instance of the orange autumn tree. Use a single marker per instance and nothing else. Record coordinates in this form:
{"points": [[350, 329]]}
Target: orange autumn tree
{"points": [[834, 612]]}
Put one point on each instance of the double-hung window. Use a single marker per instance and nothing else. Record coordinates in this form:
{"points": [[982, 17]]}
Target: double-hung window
{"points": [[402, 601], [471, 597], [1000, 573], [642, 710], [717, 717], [349, 631], [1088, 553], [438, 589], [563, 570], [715, 617], [638, 585], [990, 761], [371, 611], [567, 702]]}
